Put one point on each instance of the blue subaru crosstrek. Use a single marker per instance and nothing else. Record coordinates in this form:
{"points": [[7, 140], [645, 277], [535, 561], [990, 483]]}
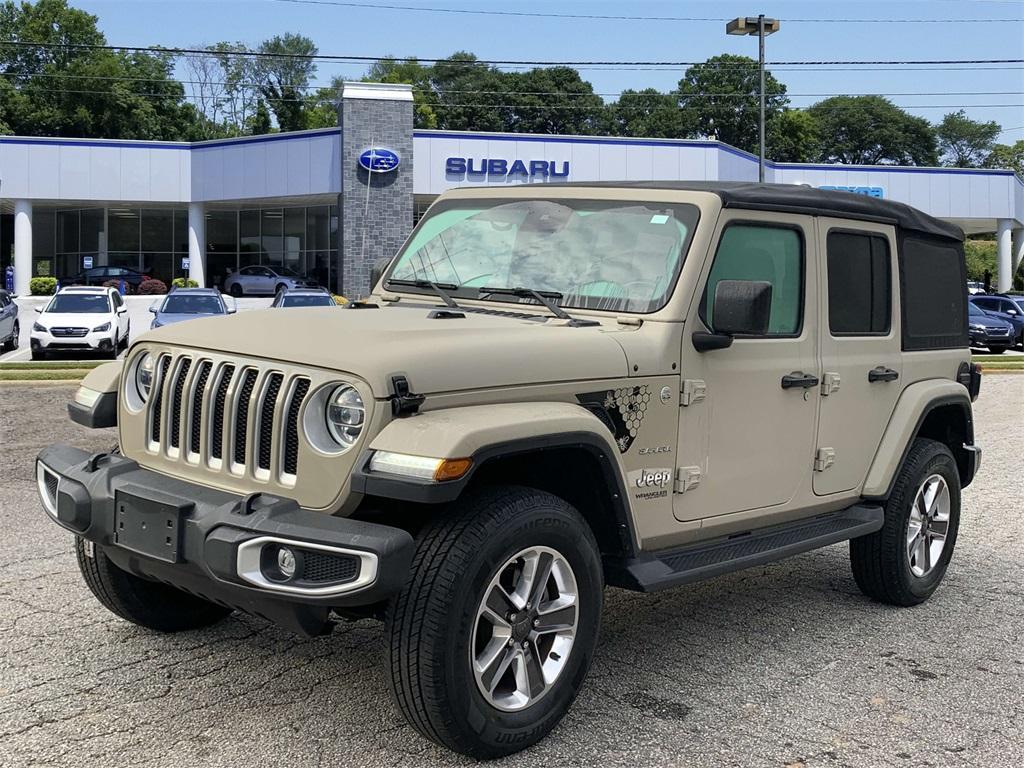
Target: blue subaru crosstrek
{"points": [[188, 304], [1007, 308]]}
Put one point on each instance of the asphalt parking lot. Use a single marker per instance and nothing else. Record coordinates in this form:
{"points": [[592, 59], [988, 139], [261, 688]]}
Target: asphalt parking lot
{"points": [[786, 665]]}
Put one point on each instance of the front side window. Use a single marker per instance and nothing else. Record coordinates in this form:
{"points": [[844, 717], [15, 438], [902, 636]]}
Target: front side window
{"points": [[620, 256], [80, 304], [761, 253], [859, 284]]}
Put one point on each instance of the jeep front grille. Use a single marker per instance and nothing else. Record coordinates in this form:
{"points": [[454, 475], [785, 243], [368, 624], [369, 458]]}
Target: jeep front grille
{"points": [[234, 418]]}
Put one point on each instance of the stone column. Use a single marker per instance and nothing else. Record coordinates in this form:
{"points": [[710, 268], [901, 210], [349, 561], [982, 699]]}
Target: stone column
{"points": [[22, 246], [376, 208], [197, 243], [1004, 279]]}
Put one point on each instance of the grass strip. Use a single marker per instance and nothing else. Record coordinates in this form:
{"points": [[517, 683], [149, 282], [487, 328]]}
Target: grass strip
{"points": [[67, 374], [45, 366]]}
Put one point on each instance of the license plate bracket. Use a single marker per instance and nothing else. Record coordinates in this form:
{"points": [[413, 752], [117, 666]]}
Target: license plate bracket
{"points": [[149, 526]]}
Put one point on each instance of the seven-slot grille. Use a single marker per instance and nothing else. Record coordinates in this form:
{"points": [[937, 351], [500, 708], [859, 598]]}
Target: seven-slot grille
{"points": [[236, 418], [65, 333]]}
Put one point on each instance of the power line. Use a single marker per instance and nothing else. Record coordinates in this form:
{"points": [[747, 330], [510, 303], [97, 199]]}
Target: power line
{"points": [[518, 62], [603, 17]]}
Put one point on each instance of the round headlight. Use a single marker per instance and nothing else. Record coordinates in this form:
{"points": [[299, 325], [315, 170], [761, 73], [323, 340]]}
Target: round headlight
{"points": [[144, 372], [345, 415]]}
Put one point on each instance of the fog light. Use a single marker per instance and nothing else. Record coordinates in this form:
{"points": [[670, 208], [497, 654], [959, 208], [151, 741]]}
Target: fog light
{"points": [[286, 562]]}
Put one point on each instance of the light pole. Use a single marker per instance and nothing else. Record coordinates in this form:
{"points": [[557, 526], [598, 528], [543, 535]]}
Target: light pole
{"points": [[762, 27]]}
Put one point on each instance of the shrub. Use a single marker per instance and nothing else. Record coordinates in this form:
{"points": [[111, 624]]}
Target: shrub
{"points": [[182, 282], [152, 287], [42, 286], [339, 299]]}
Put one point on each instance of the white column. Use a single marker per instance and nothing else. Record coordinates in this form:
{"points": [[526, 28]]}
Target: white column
{"points": [[1018, 250], [22, 246], [1005, 276], [197, 243]]}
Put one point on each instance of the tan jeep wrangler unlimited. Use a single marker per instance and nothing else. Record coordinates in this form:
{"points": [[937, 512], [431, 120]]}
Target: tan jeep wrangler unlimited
{"points": [[552, 389]]}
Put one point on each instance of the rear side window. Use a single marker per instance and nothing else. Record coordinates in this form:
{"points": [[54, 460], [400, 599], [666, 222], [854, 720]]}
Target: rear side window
{"points": [[932, 278], [859, 284], [762, 253]]}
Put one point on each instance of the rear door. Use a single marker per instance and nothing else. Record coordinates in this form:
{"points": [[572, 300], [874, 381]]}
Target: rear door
{"points": [[860, 349]]}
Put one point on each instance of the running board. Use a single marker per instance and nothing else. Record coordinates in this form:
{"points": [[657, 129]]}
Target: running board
{"points": [[651, 571]]}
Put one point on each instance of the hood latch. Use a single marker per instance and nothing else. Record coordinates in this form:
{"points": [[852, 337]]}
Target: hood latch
{"points": [[404, 402]]}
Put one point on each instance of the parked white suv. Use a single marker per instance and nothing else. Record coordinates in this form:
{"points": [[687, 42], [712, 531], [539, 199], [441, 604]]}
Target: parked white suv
{"points": [[80, 318]]}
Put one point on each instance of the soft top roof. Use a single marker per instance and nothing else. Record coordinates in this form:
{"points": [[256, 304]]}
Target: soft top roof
{"points": [[797, 198]]}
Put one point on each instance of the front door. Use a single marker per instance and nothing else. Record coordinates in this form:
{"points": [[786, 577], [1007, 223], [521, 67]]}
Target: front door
{"points": [[749, 442], [860, 349]]}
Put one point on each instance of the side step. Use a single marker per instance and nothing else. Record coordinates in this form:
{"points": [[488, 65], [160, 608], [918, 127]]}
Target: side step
{"points": [[651, 571]]}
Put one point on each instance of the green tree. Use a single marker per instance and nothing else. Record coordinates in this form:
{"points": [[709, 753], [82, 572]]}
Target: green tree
{"points": [[1007, 156], [965, 143], [872, 130], [793, 137], [411, 72], [87, 92], [284, 70], [259, 122], [648, 113], [553, 100], [470, 96], [720, 100]]}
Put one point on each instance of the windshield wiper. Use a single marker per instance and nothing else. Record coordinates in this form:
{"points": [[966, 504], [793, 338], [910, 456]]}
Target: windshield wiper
{"points": [[441, 289], [547, 298]]}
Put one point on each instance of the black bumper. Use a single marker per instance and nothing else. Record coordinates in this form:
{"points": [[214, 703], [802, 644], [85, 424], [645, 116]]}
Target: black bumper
{"points": [[190, 536]]}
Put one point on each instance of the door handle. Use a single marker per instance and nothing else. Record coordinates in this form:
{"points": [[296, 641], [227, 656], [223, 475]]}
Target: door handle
{"points": [[881, 373], [799, 379]]}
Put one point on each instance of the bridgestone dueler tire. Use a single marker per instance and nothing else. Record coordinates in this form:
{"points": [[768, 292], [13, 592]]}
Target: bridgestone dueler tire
{"points": [[880, 564], [146, 603], [430, 622]]}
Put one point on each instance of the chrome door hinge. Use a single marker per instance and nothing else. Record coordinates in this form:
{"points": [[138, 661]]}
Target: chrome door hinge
{"points": [[829, 383], [694, 390], [687, 478], [823, 459]]}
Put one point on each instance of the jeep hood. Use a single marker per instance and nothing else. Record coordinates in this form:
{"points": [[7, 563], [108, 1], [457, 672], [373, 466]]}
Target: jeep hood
{"points": [[436, 354]]}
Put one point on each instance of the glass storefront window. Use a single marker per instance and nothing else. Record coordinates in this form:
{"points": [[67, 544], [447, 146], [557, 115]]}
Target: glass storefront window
{"points": [[181, 231], [248, 238], [124, 229], [157, 230], [93, 236], [272, 235], [67, 231]]}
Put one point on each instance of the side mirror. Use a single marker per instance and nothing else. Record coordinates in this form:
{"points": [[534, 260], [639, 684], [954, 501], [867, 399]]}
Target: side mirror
{"points": [[39, 310], [153, 309], [742, 308], [122, 310], [377, 271]]}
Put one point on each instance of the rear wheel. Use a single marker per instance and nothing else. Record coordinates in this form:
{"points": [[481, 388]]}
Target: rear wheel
{"points": [[904, 562], [490, 639], [146, 603]]}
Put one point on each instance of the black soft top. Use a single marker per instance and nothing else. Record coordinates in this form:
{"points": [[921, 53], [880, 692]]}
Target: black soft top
{"points": [[797, 198]]}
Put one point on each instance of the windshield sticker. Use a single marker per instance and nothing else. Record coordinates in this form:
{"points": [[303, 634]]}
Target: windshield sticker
{"points": [[659, 218]]}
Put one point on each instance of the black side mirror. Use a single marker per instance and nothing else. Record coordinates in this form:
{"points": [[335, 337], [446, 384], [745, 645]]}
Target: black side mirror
{"points": [[742, 308], [377, 271]]}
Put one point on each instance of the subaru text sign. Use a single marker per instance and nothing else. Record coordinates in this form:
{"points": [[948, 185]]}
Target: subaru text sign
{"points": [[379, 160], [499, 168], [869, 191]]}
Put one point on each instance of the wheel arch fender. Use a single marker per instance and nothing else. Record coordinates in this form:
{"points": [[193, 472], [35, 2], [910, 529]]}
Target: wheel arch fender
{"points": [[94, 404], [939, 409], [541, 444]]}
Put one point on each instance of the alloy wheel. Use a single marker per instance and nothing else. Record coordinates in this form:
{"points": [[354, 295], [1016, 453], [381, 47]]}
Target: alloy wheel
{"points": [[928, 525], [525, 628]]}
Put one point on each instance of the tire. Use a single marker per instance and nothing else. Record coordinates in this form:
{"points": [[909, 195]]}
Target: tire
{"points": [[146, 603], [115, 349], [236, 290], [433, 623], [38, 354], [281, 288], [997, 350], [12, 343], [881, 562]]}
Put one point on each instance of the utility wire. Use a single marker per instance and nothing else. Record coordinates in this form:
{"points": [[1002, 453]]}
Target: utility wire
{"points": [[603, 17], [539, 63]]}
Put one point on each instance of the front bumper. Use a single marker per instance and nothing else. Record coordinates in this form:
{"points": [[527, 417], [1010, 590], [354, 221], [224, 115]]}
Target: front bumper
{"points": [[214, 544], [985, 339], [102, 340]]}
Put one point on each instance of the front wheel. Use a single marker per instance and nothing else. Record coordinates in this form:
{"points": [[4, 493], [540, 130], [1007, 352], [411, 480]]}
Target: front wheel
{"points": [[12, 343], [997, 350], [904, 562], [146, 603], [491, 637], [235, 290]]}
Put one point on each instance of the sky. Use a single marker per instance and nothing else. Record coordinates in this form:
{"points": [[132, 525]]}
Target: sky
{"points": [[810, 31]]}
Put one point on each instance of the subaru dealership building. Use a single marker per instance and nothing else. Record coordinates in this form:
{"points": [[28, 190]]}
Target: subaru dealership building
{"points": [[330, 202]]}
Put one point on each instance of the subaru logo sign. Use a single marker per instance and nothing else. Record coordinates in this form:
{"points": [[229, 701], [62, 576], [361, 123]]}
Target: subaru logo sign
{"points": [[379, 160]]}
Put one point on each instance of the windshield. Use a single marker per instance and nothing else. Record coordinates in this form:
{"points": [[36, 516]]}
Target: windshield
{"points": [[80, 303], [178, 304], [620, 256], [974, 310], [307, 301]]}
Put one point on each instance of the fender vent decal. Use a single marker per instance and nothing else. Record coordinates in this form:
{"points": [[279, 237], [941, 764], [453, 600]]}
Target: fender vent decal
{"points": [[621, 410]]}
